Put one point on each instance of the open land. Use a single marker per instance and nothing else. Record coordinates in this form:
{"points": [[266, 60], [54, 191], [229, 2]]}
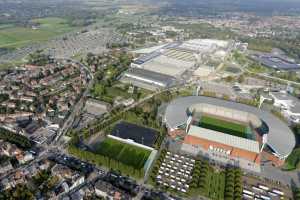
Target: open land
{"points": [[14, 36]]}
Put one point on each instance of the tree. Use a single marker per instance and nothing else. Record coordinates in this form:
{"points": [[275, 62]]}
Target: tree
{"points": [[229, 79], [38, 58], [241, 79], [99, 90], [20, 192]]}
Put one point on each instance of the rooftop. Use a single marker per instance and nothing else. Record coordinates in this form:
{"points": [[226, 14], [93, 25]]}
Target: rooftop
{"points": [[231, 140], [138, 134], [293, 102], [150, 75]]}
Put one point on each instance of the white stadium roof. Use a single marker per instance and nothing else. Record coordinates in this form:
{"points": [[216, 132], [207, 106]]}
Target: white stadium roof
{"points": [[231, 140]]}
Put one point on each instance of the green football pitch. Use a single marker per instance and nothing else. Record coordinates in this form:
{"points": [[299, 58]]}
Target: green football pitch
{"points": [[124, 153], [223, 126]]}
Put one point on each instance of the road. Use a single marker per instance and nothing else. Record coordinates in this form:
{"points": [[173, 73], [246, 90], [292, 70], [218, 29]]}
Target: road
{"points": [[78, 106], [264, 75], [68, 123]]}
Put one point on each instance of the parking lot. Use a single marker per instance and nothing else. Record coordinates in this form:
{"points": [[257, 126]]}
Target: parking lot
{"points": [[254, 189], [175, 172]]}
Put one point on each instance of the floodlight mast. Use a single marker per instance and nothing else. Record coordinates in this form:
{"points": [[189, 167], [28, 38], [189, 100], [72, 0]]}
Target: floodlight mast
{"points": [[264, 141], [188, 123]]}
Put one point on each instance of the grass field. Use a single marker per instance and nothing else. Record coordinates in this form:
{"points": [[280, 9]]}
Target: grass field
{"points": [[223, 126], [13, 36], [124, 153]]}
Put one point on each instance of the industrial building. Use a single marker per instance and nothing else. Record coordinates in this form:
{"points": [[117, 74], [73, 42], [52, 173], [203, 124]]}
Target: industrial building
{"points": [[276, 62], [174, 63], [288, 105], [263, 133], [147, 79]]}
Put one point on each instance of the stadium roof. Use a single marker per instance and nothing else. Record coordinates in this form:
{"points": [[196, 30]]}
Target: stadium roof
{"points": [[280, 138], [234, 141]]}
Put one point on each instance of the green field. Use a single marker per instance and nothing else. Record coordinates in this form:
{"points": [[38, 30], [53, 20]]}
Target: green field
{"points": [[124, 153], [15, 36], [223, 126]]}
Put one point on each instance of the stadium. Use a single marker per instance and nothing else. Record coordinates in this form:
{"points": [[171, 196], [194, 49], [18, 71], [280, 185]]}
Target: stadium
{"points": [[228, 132]]}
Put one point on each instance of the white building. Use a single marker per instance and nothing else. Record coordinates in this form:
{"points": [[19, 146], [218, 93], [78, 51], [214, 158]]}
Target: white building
{"points": [[288, 104]]}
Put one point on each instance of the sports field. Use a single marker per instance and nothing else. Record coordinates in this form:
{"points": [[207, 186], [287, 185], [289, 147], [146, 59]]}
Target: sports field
{"points": [[223, 126], [16, 36], [124, 153]]}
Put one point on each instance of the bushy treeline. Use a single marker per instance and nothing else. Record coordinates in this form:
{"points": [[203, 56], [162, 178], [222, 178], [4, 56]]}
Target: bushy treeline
{"points": [[233, 184], [156, 166], [17, 139], [206, 181]]}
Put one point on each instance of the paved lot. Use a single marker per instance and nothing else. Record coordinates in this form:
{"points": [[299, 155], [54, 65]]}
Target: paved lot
{"points": [[252, 184], [175, 172]]}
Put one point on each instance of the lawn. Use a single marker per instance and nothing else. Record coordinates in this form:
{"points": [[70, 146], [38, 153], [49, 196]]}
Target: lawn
{"points": [[292, 161], [223, 126], [216, 185], [15, 36], [124, 153]]}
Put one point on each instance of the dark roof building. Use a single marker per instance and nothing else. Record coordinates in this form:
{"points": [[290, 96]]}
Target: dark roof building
{"points": [[138, 134], [148, 77], [275, 62]]}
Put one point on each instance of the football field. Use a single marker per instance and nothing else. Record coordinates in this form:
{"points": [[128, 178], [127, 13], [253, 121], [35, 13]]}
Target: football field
{"points": [[223, 126], [124, 153]]}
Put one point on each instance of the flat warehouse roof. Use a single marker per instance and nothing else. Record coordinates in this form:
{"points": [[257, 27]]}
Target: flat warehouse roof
{"points": [[280, 136], [168, 66], [150, 75]]}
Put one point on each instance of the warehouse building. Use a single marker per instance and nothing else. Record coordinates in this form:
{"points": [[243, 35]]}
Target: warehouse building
{"points": [[174, 61], [288, 104], [147, 79]]}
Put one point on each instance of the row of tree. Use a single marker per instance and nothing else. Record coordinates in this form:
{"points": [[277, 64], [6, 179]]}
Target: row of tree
{"points": [[216, 185], [233, 184], [156, 166], [110, 163], [296, 193], [200, 177]]}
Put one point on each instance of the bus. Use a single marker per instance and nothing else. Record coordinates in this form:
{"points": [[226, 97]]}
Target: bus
{"points": [[248, 192], [263, 187], [265, 197], [278, 192], [246, 196]]}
